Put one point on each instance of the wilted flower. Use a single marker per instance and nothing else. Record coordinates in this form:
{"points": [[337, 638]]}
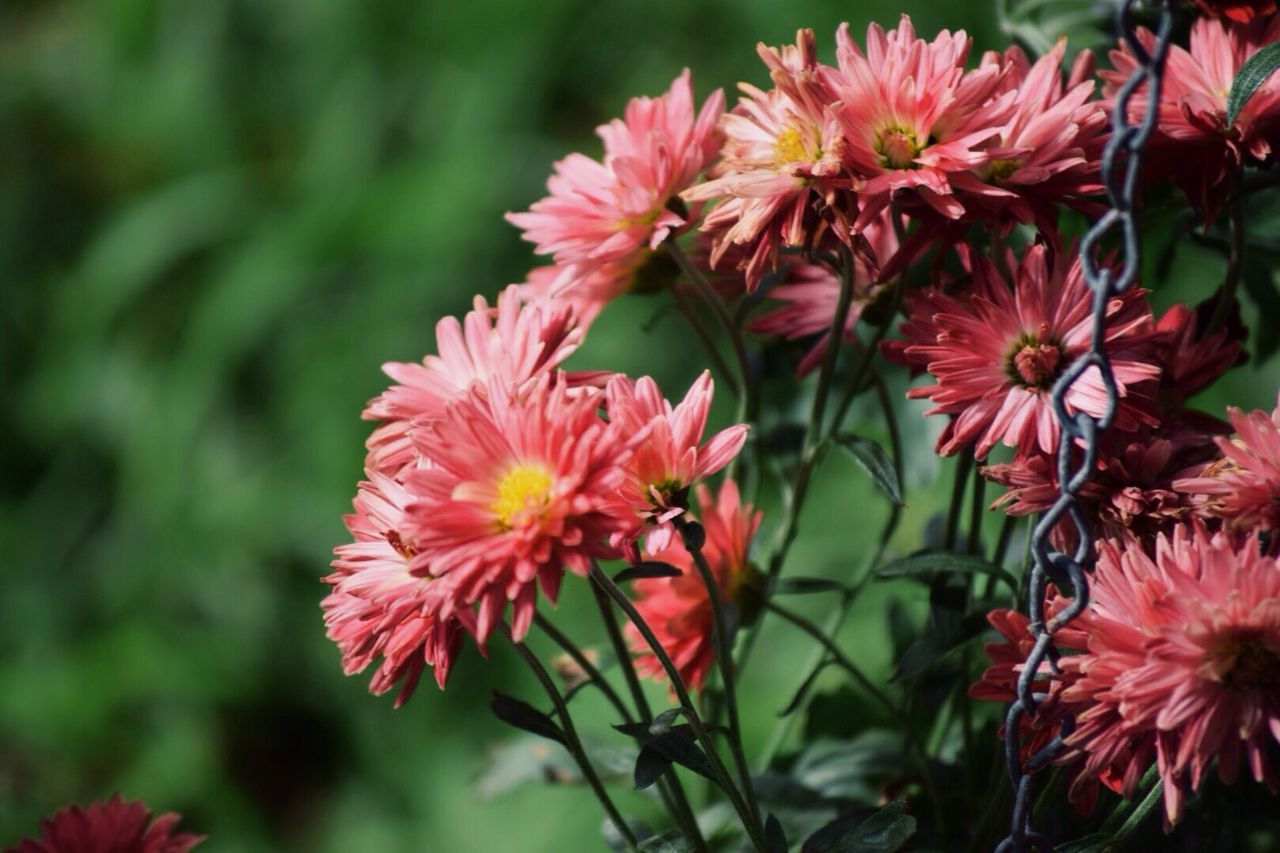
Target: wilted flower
{"points": [[380, 606], [672, 456], [995, 351], [616, 210], [111, 827], [678, 609], [1244, 486], [1184, 646]]}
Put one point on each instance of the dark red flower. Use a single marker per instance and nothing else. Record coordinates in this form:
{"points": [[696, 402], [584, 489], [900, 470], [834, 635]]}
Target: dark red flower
{"points": [[111, 827]]}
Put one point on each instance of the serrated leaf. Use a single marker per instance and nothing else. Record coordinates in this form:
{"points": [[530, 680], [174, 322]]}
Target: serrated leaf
{"points": [[805, 586], [926, 567], [647, 569], [667, 842], [1252, 74], [886, 831], [871, 457], [522, 715]]}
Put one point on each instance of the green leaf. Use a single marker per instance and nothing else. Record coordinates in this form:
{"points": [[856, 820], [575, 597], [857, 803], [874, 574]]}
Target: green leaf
{"points": [[667, 842], [775, 839], [522, 715], [886, 831], [675, 744], [647, 569], [1252, 74], [804, 586], [927, 566], [650, 765], [854, 769], [937, 642], [1260, 283], [871, 457], [522, 760]]}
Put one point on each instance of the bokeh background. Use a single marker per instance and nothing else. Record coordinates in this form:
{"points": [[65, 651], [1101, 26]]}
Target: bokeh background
{"points": [[217, 220]]}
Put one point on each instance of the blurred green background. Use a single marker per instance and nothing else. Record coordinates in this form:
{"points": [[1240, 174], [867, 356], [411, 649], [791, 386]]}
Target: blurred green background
{"points": [[217, 220]]}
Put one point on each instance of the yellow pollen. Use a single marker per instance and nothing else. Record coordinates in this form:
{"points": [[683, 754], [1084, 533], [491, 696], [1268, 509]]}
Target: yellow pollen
{"points": [[1001, 169], [898, 148], [522, 489], [789, 147]]}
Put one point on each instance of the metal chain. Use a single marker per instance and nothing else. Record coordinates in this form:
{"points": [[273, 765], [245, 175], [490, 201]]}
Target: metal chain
{"points": [[1121, 164]]}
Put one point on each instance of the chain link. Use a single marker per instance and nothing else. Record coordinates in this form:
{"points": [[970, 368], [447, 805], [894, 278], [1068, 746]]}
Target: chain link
{"points": [[1078, 441]]}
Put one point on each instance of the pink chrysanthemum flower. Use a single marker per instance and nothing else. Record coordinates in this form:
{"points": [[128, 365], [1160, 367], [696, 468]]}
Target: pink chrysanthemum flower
{"points": [[111, 827], [1243, 487], [780, 151], [995, 351], [810, 294], [587, 295], [672, 456], [914, 121], [519, 490], [1046, 153], [1194, 145], [678, 609], [1185, 646], [379, 605], [513, 344], [614, 211]]}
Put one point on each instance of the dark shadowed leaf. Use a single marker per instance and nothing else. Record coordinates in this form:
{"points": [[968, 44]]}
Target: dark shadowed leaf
{"points": [[804, 586], [647, 569], [852, 770], [650, 765], [1252, 74], [664, 721], [775, 839], [886, 831], [675, 744], [925, 567], [522, 715], [871, 457], [802, 691], [937, 642]]}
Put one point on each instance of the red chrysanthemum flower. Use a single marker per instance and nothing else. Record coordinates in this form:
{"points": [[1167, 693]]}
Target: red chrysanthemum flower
{"points": [[672, 456], [615, 210], [1046, 153], [1193, 145], [995, 351], [1244, 486], [518, 490], [780, 150], [1242, 11], [512, 344], [379, 606], [1183, 646], [810, 294], [678, 609], [115, 826], [913, 120]]}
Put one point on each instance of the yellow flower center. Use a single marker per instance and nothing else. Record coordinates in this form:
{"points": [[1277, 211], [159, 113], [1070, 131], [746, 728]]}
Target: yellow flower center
{"points": [[898, 147], [522, 489], [788, 147], [1003, 168]]}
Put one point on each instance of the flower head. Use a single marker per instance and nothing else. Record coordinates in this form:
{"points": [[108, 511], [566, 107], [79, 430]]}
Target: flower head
{"points": [[1194, 145], [1242, 11], [1243, 487], [1183, 646], [379, 606], [672, 456], [613, 211], [115, 826], [678, 609], [995, 350], [512, 344], [518, 490]]}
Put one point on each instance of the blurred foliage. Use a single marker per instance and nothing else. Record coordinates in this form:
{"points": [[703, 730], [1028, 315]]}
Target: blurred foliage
{"points": [[216, 220]]}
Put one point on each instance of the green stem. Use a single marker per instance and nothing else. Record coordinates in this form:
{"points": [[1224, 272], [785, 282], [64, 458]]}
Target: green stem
{"points": [[977, 506], [724, 656], [708, 342], [571, 739], [584, 663], [1235, 255], [963, 464], [718, 770]]}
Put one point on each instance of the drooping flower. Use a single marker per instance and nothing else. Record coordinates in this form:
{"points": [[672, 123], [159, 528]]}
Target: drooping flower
{"points": [[672, 456], [1183, 646], [1242, 11], [115, 826], [1243, 487], [1191, 358], [780, 151], [810, 294], [615, 210], [914, 122], [1194, 145], [380, 606], [678, 609], [513, 344], [1046, 153], [520, 488], [994, 351]]}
